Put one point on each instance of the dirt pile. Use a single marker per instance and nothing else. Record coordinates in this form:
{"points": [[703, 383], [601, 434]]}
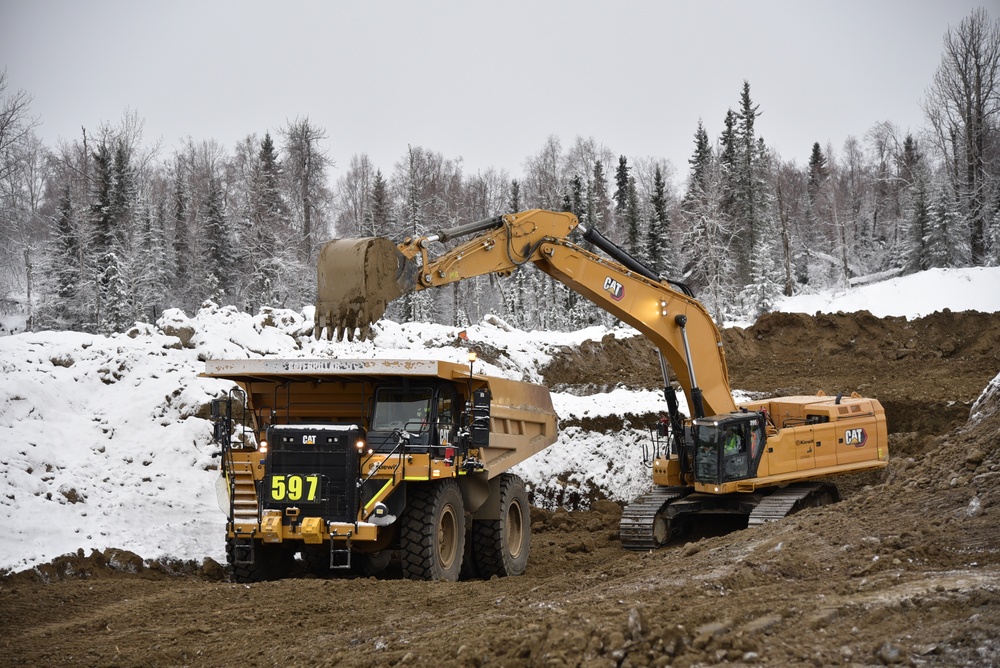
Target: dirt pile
{"points": [[926, 372], [904, 571]]}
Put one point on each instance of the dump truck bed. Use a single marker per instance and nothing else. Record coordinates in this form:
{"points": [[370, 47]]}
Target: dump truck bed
{"points": [[522, 418]]}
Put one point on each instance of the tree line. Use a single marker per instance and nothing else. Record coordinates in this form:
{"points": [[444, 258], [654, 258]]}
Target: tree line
{"points": [[104, 230]]}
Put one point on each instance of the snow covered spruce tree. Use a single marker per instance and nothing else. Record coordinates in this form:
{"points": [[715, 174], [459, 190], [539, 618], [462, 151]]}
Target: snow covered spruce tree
{"points": [[709, 263], [658, 246]]}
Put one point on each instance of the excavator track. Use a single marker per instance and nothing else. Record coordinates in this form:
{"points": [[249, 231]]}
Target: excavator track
{"points": [[789, 499], [642, 526]]}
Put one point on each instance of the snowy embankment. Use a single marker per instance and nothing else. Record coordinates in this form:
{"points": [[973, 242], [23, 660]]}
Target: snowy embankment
{"points": [[104, 442]]}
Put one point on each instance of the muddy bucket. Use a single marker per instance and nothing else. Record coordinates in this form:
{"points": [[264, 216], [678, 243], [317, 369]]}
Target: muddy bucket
{"points": [[356, 280]]}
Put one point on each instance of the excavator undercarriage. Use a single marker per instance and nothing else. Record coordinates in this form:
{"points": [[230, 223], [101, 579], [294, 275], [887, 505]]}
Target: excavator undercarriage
{"points": [[667, 512]]}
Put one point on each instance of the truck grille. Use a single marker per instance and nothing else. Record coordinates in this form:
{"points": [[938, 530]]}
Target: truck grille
{"points": [[314, 468]]}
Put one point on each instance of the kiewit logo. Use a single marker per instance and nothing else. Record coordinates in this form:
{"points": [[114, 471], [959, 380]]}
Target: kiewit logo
{"points": [[616, 289], [856, 437]]}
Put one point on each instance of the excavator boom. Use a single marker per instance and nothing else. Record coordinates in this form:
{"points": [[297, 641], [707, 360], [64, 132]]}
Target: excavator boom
{"points": [[359, 277]]}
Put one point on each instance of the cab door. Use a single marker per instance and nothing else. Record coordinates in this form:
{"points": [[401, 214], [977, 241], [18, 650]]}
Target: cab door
{"points": [[805, 448]]}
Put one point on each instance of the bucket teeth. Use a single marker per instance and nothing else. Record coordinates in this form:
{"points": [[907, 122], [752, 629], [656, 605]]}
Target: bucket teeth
{"points": [[345, 326]]}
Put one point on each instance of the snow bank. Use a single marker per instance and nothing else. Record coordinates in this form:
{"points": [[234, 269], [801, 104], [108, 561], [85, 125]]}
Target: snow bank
{"points": [[912, 296]]}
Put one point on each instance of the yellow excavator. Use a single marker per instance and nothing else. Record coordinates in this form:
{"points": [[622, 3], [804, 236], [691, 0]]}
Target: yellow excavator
{"points": [[759, 460]]}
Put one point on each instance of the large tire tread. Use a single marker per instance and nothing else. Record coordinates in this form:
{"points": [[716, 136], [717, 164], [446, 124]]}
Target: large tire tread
{"points": [[492, 554], [421, 558]]}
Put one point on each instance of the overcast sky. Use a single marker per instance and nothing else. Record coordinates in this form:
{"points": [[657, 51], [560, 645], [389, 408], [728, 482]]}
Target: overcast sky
{"points": [[487, 82]]}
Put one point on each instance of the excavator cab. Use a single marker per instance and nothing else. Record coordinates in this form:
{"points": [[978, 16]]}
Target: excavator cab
{"points": [[728, 447]]}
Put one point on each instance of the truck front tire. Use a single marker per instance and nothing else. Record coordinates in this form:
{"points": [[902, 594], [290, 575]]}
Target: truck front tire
{"points": [[432, 534], [271, 562]]}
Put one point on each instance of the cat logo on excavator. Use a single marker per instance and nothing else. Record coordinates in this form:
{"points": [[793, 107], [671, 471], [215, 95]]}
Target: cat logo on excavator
{"points": [[616, 289], [856, 437]]}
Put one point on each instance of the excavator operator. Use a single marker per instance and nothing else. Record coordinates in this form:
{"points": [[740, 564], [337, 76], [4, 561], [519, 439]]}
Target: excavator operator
{"points": [[733, 442]]}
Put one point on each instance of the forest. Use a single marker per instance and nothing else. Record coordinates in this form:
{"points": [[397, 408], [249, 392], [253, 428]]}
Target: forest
{"points": [[105, 229]]}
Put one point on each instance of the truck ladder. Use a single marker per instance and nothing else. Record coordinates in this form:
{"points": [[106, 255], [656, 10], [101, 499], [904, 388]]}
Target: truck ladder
{"points": [[243, 494]]}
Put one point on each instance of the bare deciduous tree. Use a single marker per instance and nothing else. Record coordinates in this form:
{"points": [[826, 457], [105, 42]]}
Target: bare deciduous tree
{"points": [[963, 105]]}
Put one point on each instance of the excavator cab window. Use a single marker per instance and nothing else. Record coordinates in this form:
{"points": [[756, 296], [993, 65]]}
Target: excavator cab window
{"points": [[727, 448]]}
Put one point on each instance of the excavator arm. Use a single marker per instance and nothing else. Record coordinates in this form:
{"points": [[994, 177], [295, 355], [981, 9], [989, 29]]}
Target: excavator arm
{"points": [[359, 277]]}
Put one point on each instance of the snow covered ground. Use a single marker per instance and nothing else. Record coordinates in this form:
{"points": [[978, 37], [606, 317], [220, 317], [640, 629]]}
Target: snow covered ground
{"points": [[103, 441]]}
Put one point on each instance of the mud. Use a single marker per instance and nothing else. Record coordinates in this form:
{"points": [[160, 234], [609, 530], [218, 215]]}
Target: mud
{"points": [[904, 571]]}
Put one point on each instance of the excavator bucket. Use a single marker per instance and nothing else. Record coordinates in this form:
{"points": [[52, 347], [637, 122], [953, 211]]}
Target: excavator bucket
{"points": [[357, 278]]}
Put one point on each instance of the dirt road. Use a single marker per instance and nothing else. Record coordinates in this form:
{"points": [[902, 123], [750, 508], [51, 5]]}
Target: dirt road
{"points": [[904, 571]]}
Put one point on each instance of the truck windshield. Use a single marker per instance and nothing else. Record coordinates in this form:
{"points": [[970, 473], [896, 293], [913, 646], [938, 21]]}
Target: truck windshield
{"points": [[396, 408]]}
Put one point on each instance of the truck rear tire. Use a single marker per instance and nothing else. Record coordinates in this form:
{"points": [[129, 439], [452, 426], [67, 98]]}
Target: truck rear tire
{"points": [[432, 534], [501, 546], [271, 562]]}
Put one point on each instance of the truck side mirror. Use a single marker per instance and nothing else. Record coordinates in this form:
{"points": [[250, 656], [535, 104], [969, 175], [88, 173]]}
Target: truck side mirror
{"points": [[220, 408]]}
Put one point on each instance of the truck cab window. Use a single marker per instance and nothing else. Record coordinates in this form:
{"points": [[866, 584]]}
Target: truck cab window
{"points": [[397, 408]]}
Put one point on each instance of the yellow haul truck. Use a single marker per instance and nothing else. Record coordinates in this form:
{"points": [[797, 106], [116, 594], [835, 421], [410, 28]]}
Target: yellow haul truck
{"points": [[760, 460], [346, 461]]}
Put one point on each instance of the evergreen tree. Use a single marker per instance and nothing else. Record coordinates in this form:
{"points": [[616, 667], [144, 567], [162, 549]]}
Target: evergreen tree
{"points": [[180, 277], [152, 265], [576, 199], [658, 246], [103, 238], [67, 241], [818, 172], [633, 219], [380, 217], [515, 196], [218, 244], [620, 196], [601, 214], [708, 261], [942, 239], [728, 157], [64, 272], [118, 311], [272, 208], [123, 194], [700, 161], [919, 226]]}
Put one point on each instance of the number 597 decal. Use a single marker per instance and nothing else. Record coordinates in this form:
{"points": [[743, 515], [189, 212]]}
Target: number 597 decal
{"points": [[294, 487]]}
